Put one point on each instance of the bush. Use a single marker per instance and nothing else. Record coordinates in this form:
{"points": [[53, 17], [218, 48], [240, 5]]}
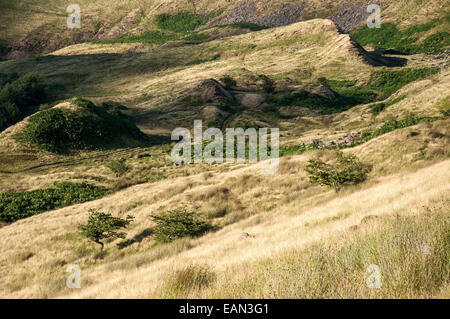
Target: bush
{"points": [[102, 226], [228, 82], [30, 90], [16, 206], [178, 223], [347, 170], [118, 167], [61, 130], [268, 84]]}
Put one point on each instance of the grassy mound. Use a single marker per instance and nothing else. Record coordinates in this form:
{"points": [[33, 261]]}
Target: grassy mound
{"points": [[60, 130], [25, 204]]}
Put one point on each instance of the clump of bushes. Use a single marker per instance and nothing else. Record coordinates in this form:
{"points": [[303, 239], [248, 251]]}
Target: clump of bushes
{"points": [[19, 95], [346, 170], [15, 206], [151, 37], [101, 226], [118, 167], [178, 223], [61, 130]]}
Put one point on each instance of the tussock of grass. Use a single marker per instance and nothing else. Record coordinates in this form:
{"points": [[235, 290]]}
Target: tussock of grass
{"points": [[405, 41], [191, 277]]}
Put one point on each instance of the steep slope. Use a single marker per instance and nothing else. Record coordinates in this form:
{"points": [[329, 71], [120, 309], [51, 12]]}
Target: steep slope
{"points": [[46, 30]]}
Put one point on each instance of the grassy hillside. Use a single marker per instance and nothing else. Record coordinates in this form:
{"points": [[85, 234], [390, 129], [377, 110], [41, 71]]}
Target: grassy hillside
{"points": [[141, 68]]}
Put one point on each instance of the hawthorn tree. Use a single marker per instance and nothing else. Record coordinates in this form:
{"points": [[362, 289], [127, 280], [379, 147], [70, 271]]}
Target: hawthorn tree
{"points": [[347, 169], [102, 226]]}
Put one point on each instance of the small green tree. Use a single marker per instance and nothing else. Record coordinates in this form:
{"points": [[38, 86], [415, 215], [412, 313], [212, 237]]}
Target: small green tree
{"points": [[178, 223], [346, 170], [102, 226]]}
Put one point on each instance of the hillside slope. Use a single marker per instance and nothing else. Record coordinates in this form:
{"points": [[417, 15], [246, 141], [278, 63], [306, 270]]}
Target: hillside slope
{"points": [[46, 30]]}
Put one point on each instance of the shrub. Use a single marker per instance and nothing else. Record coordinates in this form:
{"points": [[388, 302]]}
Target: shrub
{"points": [[178, 223], [118, 167], [102, 226], [347, 170], [30, 90], [268, 84], [16, 206], [228, 82], [9, 114]]}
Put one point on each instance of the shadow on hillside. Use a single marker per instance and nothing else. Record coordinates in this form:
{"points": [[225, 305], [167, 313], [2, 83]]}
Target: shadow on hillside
{"points": [[379, 57]]}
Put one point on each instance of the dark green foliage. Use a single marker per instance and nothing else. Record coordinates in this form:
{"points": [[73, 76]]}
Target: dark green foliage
{"points": [[29, 90], [102, 226], [180, 22], [4, 49], [9, 114], [268, 85], [228, 82], [178, 223], [6, 78], [347, 170], [247, 25], [406, 41], [151, 37], [118, 167], [16, 206], [61, 130]]}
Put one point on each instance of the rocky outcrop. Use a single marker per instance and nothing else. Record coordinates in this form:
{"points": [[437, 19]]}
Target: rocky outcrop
{"points": [[211, 91], [351, 16]]}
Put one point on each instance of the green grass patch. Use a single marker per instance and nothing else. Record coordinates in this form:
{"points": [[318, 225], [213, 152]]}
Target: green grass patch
{"points": [[15, 206], [405, 41], [379, 107], [181, 22]]}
